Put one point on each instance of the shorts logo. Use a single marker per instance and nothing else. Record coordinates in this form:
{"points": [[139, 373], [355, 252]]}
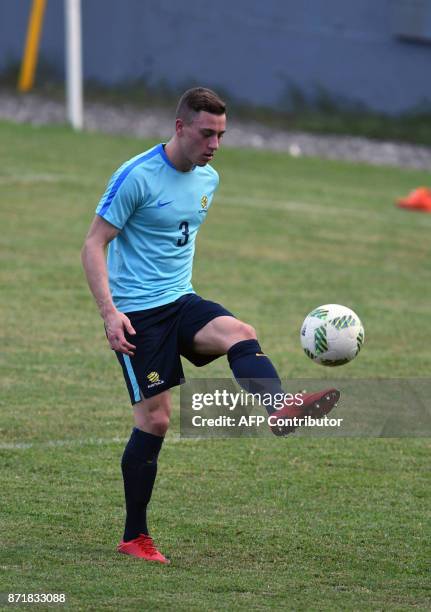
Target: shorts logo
{"points": [[154, 379]]}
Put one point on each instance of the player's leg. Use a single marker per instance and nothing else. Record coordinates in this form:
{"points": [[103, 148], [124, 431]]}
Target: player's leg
{"points": [[255, 372], [139, 468], [220, 334], [149, 374], [250, 366]]}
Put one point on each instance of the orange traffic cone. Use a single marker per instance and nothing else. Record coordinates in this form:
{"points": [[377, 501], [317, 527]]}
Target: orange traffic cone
{"points": [[418, 199]]}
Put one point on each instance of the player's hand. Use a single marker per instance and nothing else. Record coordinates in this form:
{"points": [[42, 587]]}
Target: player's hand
{"points": [[116, 324]]}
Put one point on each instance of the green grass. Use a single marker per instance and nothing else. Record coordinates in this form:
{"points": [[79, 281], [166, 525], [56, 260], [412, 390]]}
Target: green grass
{"points": [[295, 523]]}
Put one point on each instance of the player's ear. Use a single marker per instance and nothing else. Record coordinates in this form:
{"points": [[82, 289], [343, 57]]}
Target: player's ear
{"points": [[179, 126]]}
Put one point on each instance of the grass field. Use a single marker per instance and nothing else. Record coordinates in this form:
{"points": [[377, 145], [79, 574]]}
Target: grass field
{"points": [[292, 523]]}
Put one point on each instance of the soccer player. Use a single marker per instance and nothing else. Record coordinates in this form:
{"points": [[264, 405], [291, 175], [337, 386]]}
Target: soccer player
{"points": [[149, 216]]}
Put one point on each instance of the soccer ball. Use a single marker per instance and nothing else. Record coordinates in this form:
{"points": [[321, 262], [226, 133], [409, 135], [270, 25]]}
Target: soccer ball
{"points": [[332, 335]]}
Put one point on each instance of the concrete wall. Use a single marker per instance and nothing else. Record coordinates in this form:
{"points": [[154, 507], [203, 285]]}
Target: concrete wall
{"points": [[258, 51]]}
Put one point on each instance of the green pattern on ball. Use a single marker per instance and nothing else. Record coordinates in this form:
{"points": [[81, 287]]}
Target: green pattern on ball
{"points": [[320, 313], [320, 340], [343, 322], [337, 362], [359, 341], [309, 354]]}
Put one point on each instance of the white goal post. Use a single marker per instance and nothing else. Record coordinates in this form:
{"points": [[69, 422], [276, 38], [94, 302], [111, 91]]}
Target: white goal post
{"points": [[73, 55]]}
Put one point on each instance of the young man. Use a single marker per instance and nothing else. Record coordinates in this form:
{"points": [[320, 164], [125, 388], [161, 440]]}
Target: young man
{"points": [[149, 216]]}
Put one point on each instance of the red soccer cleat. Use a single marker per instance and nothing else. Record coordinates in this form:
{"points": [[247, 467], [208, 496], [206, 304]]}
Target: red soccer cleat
{"points": [[315, 405], [418, 199], [143, 548]]}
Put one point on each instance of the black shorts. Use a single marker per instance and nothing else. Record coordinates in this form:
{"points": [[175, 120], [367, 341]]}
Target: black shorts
{"points": [[163, 335]]}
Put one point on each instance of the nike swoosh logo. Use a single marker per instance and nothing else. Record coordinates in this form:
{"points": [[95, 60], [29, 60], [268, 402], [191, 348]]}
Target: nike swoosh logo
{"points": [[161, 204], [260, 355]]}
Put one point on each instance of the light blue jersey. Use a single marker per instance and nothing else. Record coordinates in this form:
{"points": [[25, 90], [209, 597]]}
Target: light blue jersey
{"points": [[158, 211]]}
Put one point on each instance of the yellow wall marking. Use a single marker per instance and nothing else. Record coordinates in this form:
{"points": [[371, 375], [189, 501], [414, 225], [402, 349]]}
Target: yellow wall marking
{"points": [[28, 66]]}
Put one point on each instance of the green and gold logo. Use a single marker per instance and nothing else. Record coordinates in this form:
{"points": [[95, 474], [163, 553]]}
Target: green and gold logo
{"points": [[153, 377], [204, 201]]}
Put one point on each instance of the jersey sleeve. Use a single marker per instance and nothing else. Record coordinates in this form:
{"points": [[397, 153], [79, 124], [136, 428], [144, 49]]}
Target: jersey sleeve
{"points": [[123, 195]]}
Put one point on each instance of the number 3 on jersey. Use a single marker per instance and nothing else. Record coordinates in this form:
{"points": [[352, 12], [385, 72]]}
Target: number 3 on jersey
{"points": [[184, 226]]}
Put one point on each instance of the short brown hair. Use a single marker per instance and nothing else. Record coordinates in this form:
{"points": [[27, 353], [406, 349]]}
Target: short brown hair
{"points": [[199, 99]]}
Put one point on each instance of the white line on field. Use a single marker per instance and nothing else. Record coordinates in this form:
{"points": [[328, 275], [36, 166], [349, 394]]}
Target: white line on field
{"points": [[386, 216], [305, 207], [173, 439], [30, 179]]}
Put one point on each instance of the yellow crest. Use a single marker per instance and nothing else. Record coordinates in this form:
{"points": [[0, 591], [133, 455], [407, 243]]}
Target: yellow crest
{"points": [[204, 201], [153, 377]]}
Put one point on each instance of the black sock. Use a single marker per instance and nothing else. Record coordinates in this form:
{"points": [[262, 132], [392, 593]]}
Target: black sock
{"points": [[253, 370], [139, 467]]}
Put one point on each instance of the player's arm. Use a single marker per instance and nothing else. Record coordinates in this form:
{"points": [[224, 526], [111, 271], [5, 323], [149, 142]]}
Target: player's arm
{"points": [[93, 260]]}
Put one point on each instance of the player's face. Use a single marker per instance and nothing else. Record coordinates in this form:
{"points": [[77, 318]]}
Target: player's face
{"points": [[201, 138]]}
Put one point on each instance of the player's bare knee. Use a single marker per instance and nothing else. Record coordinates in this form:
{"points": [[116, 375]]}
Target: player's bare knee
{"points": [[159, 410], [246, 331], [239, 332], [153, 414], [159, 422]]}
